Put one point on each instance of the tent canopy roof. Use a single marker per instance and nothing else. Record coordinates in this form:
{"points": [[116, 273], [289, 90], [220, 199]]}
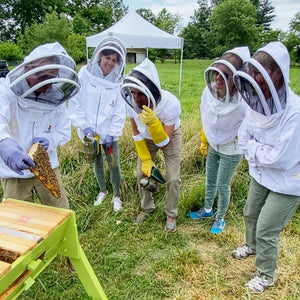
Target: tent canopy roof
{"points": [[136, 32]]}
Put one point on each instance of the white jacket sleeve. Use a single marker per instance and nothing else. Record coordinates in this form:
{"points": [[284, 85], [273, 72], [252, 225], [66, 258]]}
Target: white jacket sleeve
{"points": [[6, 97], [61, 132], [277, 152]]}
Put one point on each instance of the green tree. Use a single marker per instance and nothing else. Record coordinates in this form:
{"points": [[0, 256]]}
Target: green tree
{"points": [[75, 47], [292, 40], [233, 24], [147, 14], [17, 14], [196, 35], [10, 51], [54, 28], [264, 13]]}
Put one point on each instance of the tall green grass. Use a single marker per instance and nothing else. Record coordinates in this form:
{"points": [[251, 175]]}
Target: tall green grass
{"points": [[142, 261]]}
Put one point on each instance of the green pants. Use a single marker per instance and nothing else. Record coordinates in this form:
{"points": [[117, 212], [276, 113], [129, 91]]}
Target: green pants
{"points": [[114, 168], [24, 188], [266, 214], [172, 155], [220, 169]]}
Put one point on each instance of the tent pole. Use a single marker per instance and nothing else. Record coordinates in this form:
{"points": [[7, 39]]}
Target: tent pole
{"points": [[180, 73]]}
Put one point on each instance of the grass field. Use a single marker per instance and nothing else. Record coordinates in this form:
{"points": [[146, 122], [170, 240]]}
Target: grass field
{"points": [[142, 262]]}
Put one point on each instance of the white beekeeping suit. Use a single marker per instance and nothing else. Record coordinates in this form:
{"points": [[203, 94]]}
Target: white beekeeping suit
{"points": [[269, 134], [163, 103], [33, 104], [221, 117], [99, 104]]}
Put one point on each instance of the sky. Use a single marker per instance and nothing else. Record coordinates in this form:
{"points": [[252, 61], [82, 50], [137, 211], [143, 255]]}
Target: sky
{"points": [[285, 10]]}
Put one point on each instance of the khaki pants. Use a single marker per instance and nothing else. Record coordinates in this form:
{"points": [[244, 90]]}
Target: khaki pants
{"points": [[266, 214], [172, 155], [24, 188]]}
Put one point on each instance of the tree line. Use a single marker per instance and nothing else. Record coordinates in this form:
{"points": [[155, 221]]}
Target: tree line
{"points": [[215, 26]]}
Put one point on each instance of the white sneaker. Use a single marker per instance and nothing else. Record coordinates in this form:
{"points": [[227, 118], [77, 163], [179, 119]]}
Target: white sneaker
{"points": [[101, 196], [259, 283], [243, 252], [116, 201]]}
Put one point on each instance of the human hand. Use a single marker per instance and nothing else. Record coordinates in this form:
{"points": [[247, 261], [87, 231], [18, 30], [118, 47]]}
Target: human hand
{"points": [[43, 141], [108, 141], [147, 167], [89, 132], [148, 116], [14, 157]]}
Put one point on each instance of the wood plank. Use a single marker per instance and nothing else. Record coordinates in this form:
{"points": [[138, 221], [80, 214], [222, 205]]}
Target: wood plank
{"points": [[15, 244], [4, 268], [30, 228], [48, 209], [50, 217], [21, 234]]}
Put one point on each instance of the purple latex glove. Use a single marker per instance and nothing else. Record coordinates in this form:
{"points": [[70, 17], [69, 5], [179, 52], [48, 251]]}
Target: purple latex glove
{"points": [[14, 157], [43, 141], [89, 132], [108, 141]]}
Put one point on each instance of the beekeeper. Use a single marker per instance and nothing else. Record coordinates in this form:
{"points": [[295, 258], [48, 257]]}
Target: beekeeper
{"points": [[269, 137], [99, 112], [154, 115], [33, 109], [222, 112]]}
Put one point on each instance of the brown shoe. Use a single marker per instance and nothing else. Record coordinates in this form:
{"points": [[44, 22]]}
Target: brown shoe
{"points": [[142, 216]]}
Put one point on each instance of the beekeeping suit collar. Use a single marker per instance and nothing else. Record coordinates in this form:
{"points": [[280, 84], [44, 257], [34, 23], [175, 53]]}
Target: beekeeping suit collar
{"points": [[47, 75], [213, 71], [144, 78], [252, 92], [114, 44]]}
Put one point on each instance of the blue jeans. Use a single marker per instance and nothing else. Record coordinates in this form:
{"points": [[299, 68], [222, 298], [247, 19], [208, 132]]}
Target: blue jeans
{"points": [[220, 169], [114, 168]]}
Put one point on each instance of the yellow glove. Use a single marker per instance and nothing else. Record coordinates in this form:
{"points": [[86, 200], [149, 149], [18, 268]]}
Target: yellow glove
{"points": [[145, 156], [155, 126], [203, 143]]}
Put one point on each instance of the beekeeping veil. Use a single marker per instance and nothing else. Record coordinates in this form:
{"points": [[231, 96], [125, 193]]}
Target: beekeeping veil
{"points": [[109, 45], [47, 75], [144, 78], [214, 71], [254, 80]]}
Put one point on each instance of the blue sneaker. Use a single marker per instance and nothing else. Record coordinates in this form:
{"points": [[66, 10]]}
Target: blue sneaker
{"points": [[217, 226], [200, 214]]}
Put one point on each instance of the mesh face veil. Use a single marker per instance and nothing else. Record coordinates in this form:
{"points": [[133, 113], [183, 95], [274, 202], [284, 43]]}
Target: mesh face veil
{"points": [[218, 78], [48, 78], [109, 45], [136, 80], [257, 89]]}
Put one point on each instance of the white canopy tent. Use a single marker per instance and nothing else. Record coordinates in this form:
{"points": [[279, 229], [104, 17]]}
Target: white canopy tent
{"points": [[136, 32]]}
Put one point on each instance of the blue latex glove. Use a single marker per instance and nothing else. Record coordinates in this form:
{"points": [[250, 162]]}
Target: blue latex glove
{"points": [[14, 157], [108, 141], [89, 132], [43, 141]]}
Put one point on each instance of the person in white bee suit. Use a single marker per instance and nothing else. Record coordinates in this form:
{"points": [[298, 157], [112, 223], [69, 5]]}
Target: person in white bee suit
{"points": [[154, 115], [99, 112], [33, 109], [222, 112], [269, 137]]}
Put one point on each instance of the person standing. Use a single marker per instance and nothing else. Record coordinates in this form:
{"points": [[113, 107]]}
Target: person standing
{"points": [[33, 109], [269, 137], [222, 112], [154, 115], [99, 112]]}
